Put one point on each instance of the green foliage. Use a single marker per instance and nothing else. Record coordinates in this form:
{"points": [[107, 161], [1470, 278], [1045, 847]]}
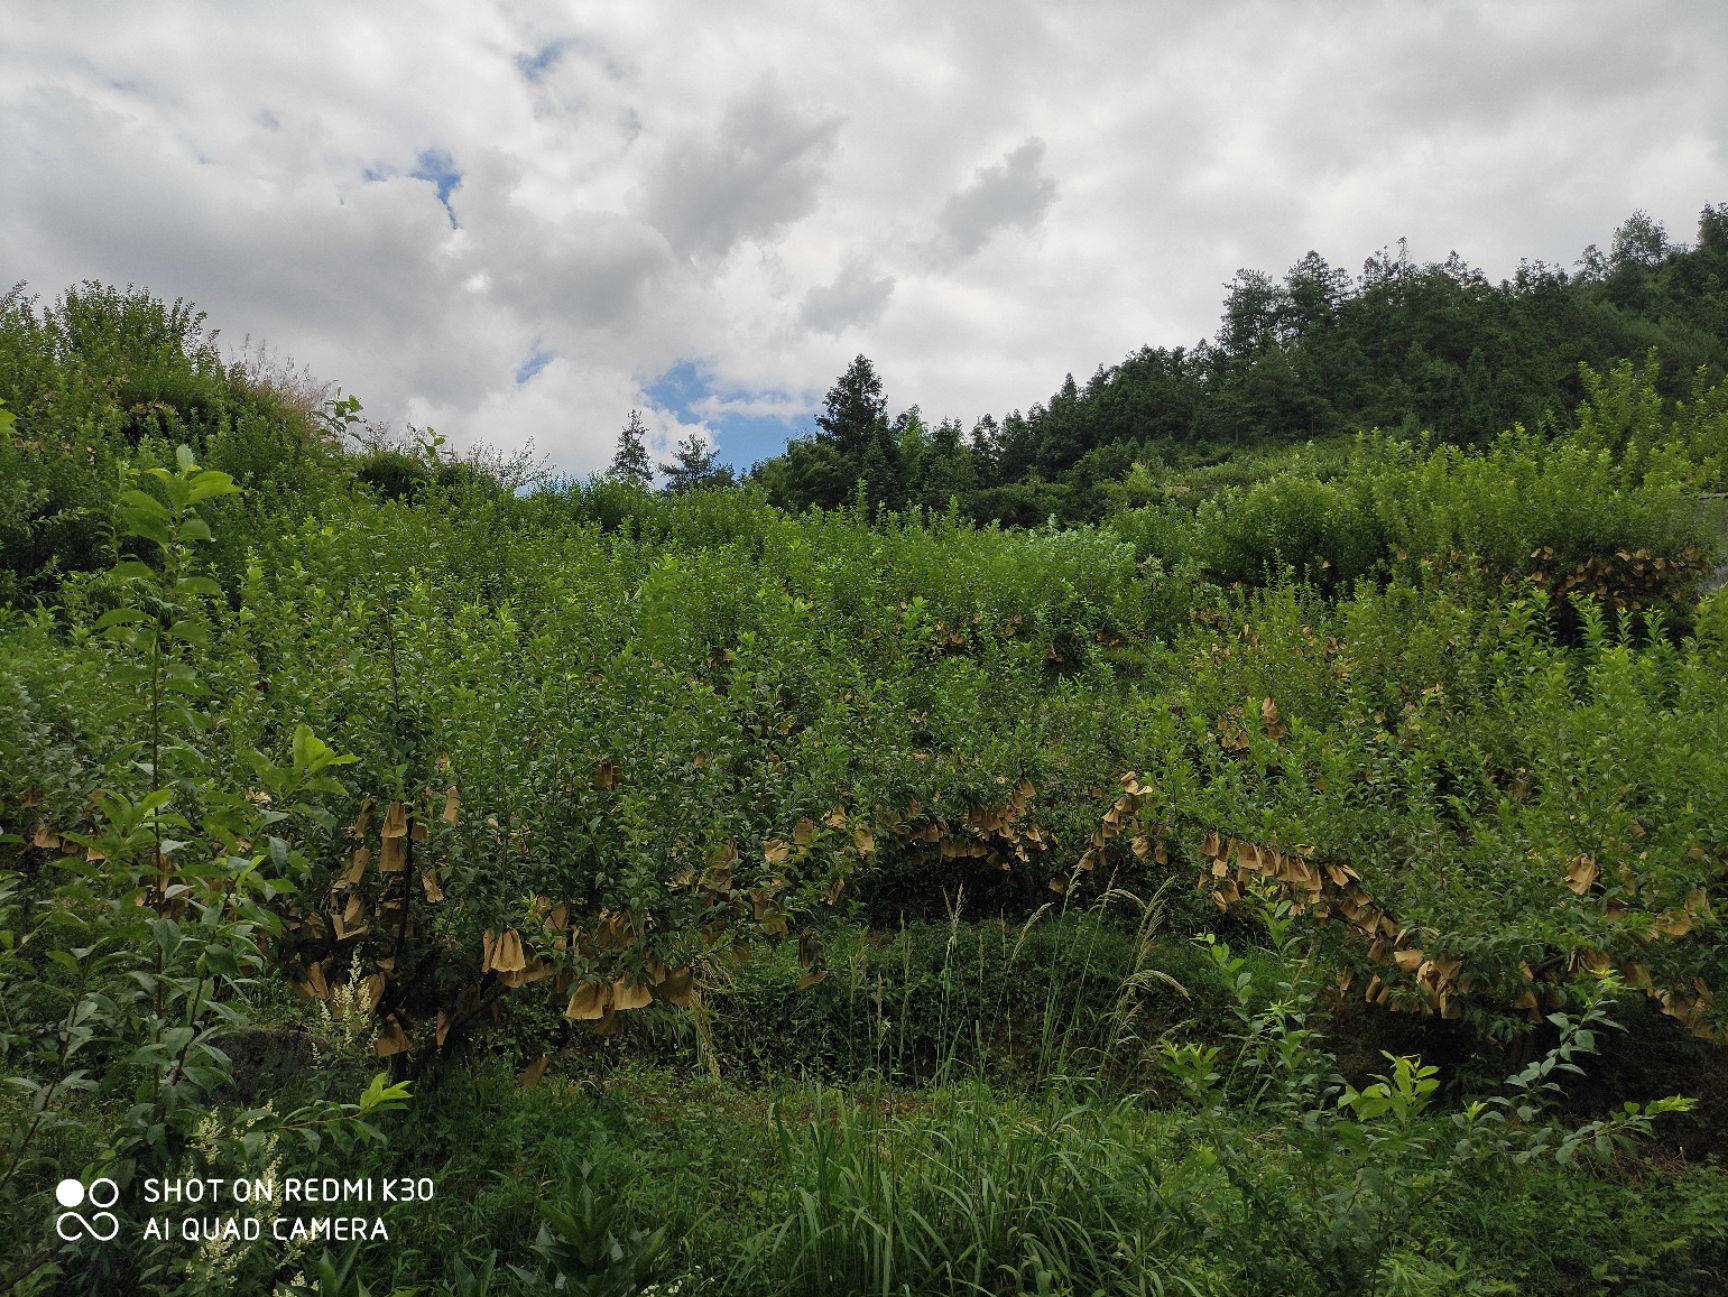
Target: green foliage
{"points": [[899, 804], [693, 468], [1436, 349], [630, 465], [394, 474], [106, 383], [1608, 513], [130, 958], [586, 1246], [1329, 1197]]}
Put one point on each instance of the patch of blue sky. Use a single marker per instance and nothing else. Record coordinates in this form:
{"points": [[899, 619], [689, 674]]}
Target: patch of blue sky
{"points": [[440, 168], [748, 426], [538, 359], [535, 66]]}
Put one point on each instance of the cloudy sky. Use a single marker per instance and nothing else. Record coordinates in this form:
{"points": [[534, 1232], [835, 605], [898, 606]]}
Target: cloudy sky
{"points": [[515, 220]]}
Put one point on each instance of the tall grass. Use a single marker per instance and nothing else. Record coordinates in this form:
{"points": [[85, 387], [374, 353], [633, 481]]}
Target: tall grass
{"points": [[980, 1195], [1052, 1190]]}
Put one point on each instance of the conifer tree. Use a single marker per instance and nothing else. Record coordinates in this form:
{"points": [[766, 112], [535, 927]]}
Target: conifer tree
{"points": [[692, 466], [630, 463]]}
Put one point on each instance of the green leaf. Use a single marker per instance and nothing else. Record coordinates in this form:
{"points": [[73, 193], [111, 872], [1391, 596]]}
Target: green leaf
{"points": [[149, 526], [198, 585], [65, 960], [144, 504], [211, 483], [379, 1095], [168, 936], [132, 569]]}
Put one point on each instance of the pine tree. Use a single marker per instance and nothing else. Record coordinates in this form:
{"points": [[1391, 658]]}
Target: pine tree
{"points": [[855, 413], [630, 464], [854, 422], [693, 466]]}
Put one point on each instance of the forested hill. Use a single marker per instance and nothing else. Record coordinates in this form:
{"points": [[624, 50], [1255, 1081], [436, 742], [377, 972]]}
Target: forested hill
{"points": [[1402, 347], [104, 383]]}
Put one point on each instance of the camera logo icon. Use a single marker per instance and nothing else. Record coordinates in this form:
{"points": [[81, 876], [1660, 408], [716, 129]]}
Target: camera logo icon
{"points": [[101, 1225]]}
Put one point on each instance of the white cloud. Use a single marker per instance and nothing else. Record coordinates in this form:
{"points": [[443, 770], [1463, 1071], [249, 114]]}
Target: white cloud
{"points": [[979, 196], [773, 406]]}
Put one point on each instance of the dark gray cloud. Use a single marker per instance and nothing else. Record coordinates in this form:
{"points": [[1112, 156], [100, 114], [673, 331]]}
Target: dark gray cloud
{"points": [[855, 298], [749, 177], [1012, 194]]}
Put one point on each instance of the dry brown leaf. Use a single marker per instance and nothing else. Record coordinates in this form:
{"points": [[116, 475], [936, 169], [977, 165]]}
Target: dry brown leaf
{"points": [[1275, 727]]}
